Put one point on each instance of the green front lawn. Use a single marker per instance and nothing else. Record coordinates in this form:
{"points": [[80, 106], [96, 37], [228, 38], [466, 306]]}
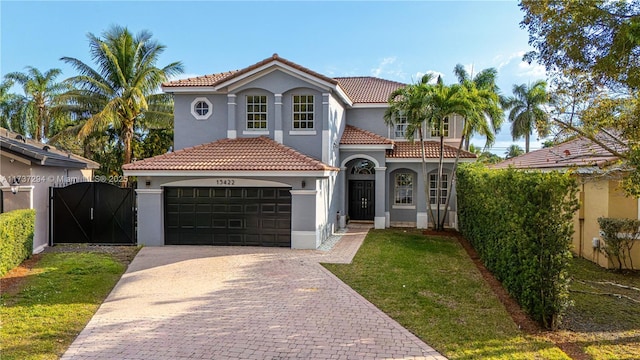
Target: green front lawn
{"points": [[431, 287], [605, 318], [55, 303]]}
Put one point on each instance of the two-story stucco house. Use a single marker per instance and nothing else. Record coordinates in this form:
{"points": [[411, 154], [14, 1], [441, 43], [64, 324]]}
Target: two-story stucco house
{"points": [[276, 154]]}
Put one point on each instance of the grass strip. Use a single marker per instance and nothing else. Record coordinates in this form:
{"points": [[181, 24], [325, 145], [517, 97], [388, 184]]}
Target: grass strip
{"points": [[55, 303]]}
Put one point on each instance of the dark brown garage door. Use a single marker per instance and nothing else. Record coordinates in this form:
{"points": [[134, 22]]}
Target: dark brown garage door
{"points": [[228, 216]]}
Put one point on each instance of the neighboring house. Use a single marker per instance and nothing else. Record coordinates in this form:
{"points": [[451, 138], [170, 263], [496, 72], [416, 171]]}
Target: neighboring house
{"points": [[599, 190], [27, 169], [276, 154]]}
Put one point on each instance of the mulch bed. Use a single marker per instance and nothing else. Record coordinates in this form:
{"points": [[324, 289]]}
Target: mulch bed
{"points": [[518, 315]]}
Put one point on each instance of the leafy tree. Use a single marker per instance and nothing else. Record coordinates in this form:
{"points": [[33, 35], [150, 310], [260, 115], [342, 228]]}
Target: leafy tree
{"points": [[598, 37], [475, 149], [119, 95], [548, 144], [38, 109], [526, 110], [594, 46], [488, 157], [513, 151]]}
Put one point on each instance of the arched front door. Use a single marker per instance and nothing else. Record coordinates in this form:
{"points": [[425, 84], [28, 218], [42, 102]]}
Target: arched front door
{"points": [[362, 190]]}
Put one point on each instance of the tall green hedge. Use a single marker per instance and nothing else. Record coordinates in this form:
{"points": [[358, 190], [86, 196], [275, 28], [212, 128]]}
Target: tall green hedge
{"points": [[521, 224], [16, 238]]}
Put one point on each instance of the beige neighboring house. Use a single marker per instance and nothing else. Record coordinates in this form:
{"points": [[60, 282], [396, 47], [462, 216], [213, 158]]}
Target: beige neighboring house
{"points": [[600, 191], [28, 169]]}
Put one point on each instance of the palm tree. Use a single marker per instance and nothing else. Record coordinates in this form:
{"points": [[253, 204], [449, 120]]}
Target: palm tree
{"points": [[10, 117], [513, 151], [527, 110], [39, 108], [426, 104], [409, 102], [120, 94], [488, 115]]}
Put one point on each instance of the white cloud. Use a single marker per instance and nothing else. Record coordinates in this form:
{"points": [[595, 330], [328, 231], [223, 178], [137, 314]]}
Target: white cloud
{"points": [[535, 71], [389, 68]]}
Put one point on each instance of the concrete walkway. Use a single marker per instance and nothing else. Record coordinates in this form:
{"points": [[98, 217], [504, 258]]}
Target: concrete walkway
{"points": [[200, 302]]}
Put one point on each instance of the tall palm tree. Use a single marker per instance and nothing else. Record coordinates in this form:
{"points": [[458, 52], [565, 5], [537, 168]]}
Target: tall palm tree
{"points": [[427, 105], [481, 113], [409, 102], [10, 108], [39, 107], [513, 151], [526, 110], [489, 116], [120, 94]]}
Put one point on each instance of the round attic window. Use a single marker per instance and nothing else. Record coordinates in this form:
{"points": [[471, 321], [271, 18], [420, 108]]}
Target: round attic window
{"points": [[201, 108]]}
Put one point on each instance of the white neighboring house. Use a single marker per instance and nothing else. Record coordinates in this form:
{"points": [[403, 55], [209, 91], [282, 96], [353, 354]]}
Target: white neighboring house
{"points": [[28, 169]]}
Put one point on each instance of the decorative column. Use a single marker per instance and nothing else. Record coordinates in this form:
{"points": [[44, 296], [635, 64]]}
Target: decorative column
{"points": [[150, 217], [342, 185], [304, 234], [327, 146], [380, 219], [277, 133], [231, 116]]}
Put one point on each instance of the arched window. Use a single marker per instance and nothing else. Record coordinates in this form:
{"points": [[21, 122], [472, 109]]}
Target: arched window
{"points": [[363, 167]]}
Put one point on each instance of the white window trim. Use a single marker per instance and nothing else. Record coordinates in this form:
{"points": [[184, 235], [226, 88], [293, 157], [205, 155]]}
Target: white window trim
{"points": [[397, 205], [313, 113], [302, 132], [439, 197], [405, 124], [193, 108]]}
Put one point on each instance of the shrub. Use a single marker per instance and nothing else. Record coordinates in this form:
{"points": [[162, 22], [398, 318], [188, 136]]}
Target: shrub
{"points": [[521, 225], [619, 236], [16, 238]]}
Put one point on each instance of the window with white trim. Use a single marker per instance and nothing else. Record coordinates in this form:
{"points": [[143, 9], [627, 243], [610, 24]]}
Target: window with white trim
{"points": [[433, 188], [201, 108], [403, 192], [303, 112], [435, 132], [256, 112], [400, 125]]}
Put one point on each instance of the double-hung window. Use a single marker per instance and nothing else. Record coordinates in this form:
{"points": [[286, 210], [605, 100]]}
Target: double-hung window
{"points": [[403, 189], [256, 112], [433, 189], [435, 131], [303, 112]]}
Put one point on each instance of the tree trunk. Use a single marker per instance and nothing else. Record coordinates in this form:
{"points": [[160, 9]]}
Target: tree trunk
{"points": [[127, 136], [526, 143], [453, 177], [439, 179], [425, 178]]}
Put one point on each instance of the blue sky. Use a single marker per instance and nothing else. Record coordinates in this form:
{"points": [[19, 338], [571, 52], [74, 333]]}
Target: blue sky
{"points": [[393, 40]]}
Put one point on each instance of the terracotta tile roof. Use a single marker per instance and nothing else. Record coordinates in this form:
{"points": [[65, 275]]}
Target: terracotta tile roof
{"points": [[367, 89], [577, 152], [356, 136], [242, 154], [363, 89], [408, 150], [215, 79]]}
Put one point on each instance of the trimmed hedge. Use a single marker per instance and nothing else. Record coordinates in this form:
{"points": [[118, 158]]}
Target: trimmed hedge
{"points": [[521, 224], [16, 238]]}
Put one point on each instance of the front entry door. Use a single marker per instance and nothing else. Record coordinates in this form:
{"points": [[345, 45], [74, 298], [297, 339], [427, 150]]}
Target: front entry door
{"points": [[361, 199]]}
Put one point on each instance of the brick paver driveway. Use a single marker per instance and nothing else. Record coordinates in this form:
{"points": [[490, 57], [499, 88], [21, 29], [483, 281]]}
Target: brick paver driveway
{"points": [[185, 302]]}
